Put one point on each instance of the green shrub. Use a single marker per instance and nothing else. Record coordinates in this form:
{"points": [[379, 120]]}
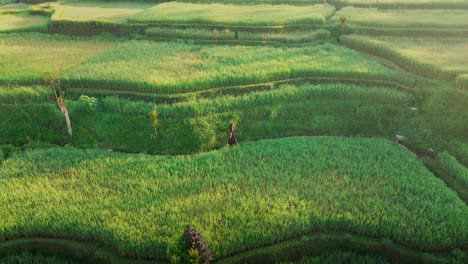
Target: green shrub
{"points": [[6, 151], [89, 103]]}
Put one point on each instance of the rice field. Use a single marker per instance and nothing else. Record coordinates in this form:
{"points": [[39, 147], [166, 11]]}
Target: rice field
{"points": [[23, 22], [95, 10], [404, 18], [28, 94], [26, 58], [245, 2], [177, 68], [436, 58], [453, 167], [139, 204], [198, 124], [234, 15], [317, 109], [404, 3]]}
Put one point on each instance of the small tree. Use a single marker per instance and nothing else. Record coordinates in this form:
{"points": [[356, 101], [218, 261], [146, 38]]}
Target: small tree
{"points": [[216, 34], [53, 81], [227, 33], [154, 116], [342, 23]]}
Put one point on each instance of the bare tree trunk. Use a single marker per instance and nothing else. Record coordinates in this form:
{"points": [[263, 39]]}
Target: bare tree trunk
{"points": [[67, 119]]}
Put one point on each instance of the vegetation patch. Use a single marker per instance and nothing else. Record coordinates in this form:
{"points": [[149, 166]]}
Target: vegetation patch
{"points": [[234, 15]]}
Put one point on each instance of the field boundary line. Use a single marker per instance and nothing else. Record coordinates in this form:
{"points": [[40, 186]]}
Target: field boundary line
{"points": [[311, 243]]}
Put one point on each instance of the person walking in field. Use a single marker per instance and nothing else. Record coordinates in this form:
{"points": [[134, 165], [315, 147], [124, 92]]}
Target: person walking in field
{"points": [[232, 135]]}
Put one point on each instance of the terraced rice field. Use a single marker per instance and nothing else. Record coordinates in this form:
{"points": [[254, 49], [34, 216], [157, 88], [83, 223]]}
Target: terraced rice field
{"points": [[405, 3], [443, 59], [26, 58], [350, 117], [234, 15], [405, 18], [92, 10], [18, 23]]}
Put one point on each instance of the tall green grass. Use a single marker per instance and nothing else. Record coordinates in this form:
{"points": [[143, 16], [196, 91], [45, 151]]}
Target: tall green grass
{"points": [[404, 18], [200, 125], [237, 197], [435, 58], [177, 68], [395, 4], [234, 15]]}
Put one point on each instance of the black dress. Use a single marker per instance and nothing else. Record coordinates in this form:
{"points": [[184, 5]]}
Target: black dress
{"points": [[232, 137]]}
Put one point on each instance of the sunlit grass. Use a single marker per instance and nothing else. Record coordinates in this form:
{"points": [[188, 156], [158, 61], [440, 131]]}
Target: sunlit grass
{"points": [[23, 22], [405, 3], [438, 58], [234, 15], [237, 197], [173, 68], [95, 10], [25, 58], [404, 18]]}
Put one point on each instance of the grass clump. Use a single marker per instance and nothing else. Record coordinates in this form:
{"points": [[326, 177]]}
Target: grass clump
{"points": [[234, 15], [271, 191]]}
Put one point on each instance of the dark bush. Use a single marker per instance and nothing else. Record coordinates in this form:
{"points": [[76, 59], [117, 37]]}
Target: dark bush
{"points": [[194, 241]]}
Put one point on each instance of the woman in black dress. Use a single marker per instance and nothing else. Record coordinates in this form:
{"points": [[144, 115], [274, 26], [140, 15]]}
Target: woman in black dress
{"points": [[232, 135]]}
